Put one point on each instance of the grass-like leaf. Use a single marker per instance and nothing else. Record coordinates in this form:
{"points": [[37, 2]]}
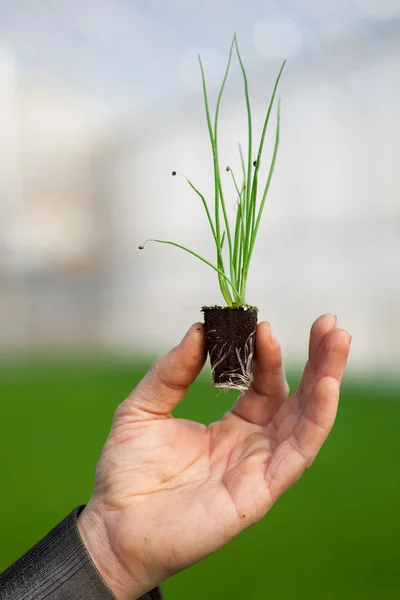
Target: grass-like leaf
{"points": [[204, 260], [242, 237]]}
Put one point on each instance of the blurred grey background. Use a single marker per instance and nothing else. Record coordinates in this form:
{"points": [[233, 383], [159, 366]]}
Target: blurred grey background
{"points": [[101, 100]]}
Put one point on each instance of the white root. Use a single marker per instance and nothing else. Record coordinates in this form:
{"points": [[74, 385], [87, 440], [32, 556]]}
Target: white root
{"points": [[221, 357], [240, 378]]}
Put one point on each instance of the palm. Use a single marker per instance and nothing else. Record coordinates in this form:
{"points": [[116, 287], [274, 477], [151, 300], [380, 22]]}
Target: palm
{"points": [[209, 483], [212, 476], [180, 454]]}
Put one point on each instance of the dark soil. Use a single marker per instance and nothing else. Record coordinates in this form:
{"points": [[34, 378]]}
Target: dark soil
{"points": [[230, 334]]}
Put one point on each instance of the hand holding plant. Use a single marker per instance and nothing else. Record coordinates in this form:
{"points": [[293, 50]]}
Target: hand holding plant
{"points": [[230, 330], [169, 491]]}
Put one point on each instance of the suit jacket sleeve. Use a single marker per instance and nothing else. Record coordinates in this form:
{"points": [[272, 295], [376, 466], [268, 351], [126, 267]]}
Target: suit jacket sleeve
{"points": [[58, 568]]}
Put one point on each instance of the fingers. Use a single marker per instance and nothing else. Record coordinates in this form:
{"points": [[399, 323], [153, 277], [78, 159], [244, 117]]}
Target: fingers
{"points": [[317, 419], [269, 387], [299, 449], [307, 418], [168, 380], [319, 329], [331, 358]]}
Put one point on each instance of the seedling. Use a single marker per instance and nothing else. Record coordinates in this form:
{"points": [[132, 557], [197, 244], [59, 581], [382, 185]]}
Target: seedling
{"points": [[230, 329]]}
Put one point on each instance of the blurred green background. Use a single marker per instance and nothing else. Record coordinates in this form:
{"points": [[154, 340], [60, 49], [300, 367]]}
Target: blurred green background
{"points": [[335, 534]]}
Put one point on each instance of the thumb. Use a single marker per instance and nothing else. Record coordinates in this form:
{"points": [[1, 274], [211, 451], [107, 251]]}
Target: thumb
{"points": [[168, 380]]}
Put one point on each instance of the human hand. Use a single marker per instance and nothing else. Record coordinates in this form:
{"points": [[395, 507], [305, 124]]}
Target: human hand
{"points": [[169, 492]]}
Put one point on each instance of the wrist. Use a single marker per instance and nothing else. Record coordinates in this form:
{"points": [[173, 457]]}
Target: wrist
{"points": [[94, 533]]}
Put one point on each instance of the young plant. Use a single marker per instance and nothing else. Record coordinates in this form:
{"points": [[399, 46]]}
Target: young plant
{"points": [[230, 330]]}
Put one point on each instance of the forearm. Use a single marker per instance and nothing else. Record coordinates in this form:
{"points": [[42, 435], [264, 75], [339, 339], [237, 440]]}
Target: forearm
{"points": [[96, 534], [59, 567]]}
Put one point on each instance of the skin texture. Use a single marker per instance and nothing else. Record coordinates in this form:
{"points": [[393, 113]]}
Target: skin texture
{"points": [[168, 492]]}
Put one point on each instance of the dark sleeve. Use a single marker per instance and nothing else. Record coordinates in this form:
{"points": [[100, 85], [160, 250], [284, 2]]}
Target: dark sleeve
{"points": [[58, 568]]}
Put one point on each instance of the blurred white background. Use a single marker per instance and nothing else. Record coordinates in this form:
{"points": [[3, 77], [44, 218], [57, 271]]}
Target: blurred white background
{"points": [[101, 100]]}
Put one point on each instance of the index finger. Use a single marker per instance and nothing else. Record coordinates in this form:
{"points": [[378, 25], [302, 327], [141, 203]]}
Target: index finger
{"points": [[269, 387]]}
